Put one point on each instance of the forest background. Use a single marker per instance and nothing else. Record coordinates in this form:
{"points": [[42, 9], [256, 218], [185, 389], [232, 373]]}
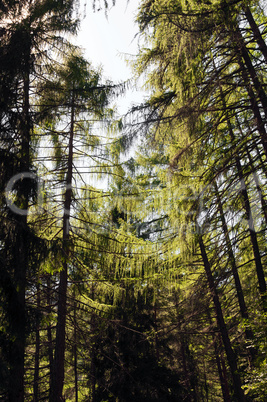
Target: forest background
{"points": [[152, 287]]}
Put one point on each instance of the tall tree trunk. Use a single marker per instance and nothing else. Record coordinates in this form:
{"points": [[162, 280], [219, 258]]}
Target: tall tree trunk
{"points": [[220, 362], [253, 102], [238, 286], [222, 372], [59, 360], [49, 336], [251, 228], [188, 367], [251, 70], [262, 162], [255, 176], [253, 235], [75, 356], [93, 376], [156, 331], [239, 291], [249, 218], [231, 358], [37, 350], [256, 32], [17, 345], [205, 380], [254, 145], [92, 350], [258, 188], [21, 246]]}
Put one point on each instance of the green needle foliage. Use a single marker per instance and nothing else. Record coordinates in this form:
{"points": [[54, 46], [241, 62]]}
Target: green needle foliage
{"points": [[205, 66], [138, 271]]}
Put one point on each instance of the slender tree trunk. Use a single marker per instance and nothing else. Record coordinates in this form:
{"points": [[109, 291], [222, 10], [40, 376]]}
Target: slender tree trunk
{"points": [[258, 187], [262, 162], [183, 354], [253, 235], [188, 368], [251, 70], [239, 290], [205, 380], [256, 32], [156, 332], [220, 363], [253, 103], [93, 359], [37, 351], [59, 360], [17, 346], [21, 246], [75, 349], [238, 286], [231, 358], [93, 377], [222, 372], [254, 145], [182, 349], [249, 217], [255, 177], [49, 336], [251, 228]]}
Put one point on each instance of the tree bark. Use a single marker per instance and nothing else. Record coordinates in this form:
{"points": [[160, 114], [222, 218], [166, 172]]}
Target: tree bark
{"points": [[238, 286], [251, 70], [75, 356], [256, 32], [231, 358], [249, 218], [156, 331], [21, 246], [253, 235], [258, 187], [92, 350], [253, 103], [37, 351], [251, 228], [239, 290], [59, 372], [222, 372], [49, 337], [254, 170]]}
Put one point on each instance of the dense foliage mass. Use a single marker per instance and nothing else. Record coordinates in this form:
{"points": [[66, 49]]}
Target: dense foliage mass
{"points": [[152, 285]]}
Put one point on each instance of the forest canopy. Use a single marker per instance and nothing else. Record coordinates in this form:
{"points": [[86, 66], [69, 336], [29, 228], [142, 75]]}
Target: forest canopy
{"points": [[150, 285]]}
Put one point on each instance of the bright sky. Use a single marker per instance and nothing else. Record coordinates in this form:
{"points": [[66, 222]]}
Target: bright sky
{"points": [[107, 40]]}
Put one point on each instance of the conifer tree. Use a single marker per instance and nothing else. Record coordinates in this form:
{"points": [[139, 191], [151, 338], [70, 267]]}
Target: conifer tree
{"points": [[78, 96], [199, 55], [27, 27]]}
